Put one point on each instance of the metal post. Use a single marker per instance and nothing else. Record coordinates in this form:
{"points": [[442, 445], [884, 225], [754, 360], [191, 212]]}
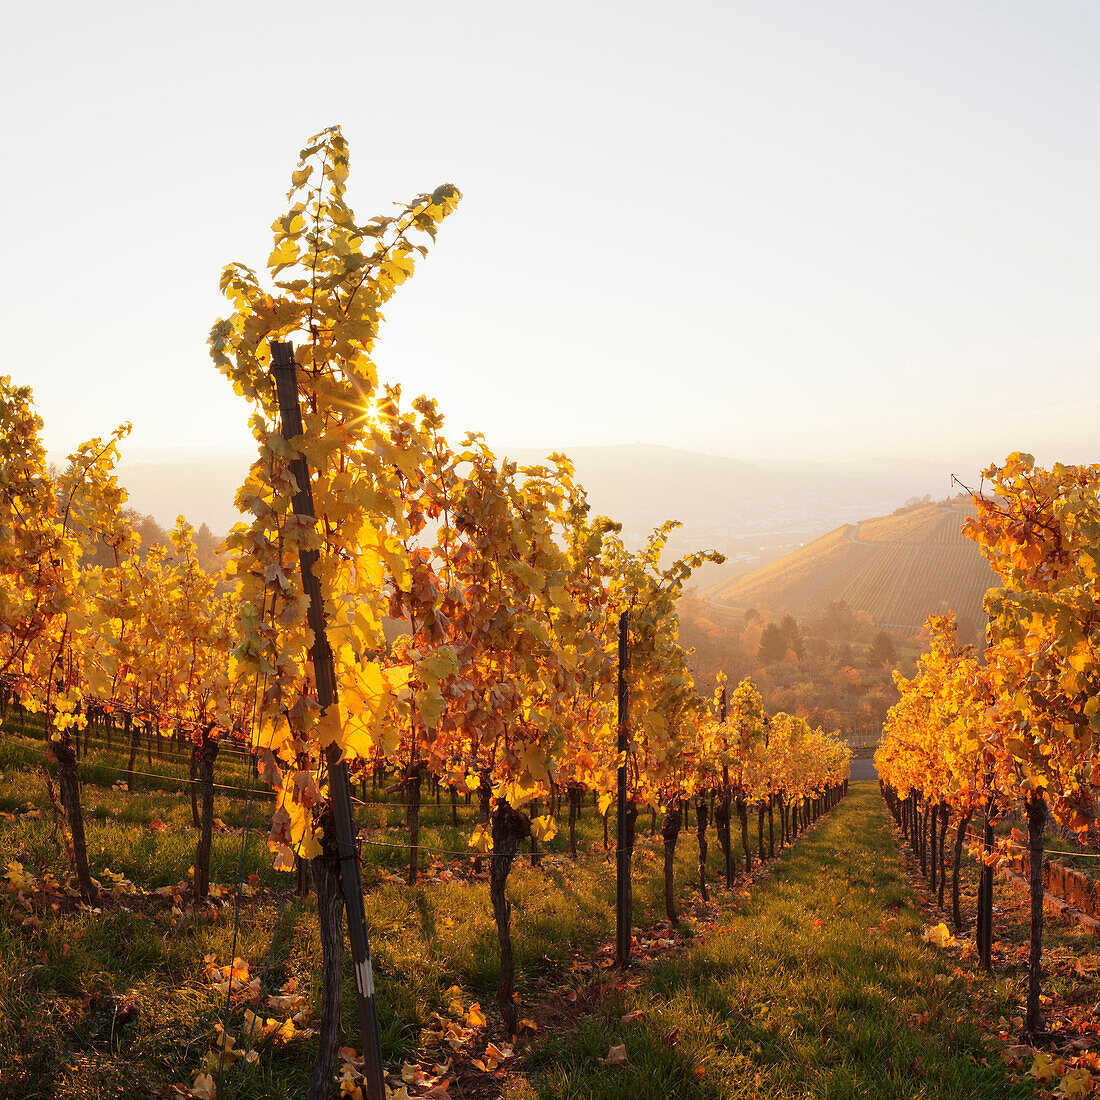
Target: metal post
{"points": [[622, 862], [286, 387]]}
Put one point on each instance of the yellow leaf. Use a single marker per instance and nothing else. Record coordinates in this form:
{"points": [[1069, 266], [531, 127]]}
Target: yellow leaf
{"points": [[440, 664], [328, 730], [1077, 1082], [482, 839], [1081, 657], [397, 676], [284, 858], [18, 878], [285, 1032], [559, 596], [1043, 1067], [939, 936], [432, 706], [475, 1017], [286, 252], [310, 848]]}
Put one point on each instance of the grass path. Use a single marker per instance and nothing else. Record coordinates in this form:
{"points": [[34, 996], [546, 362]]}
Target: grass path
{"points": [[817, 985]]}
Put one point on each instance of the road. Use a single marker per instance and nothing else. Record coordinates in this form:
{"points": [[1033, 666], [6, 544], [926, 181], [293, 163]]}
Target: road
{"points": [[864, 769]]}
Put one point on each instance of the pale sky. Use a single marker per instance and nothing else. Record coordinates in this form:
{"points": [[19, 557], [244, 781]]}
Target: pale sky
{"points": [[767, 230]]}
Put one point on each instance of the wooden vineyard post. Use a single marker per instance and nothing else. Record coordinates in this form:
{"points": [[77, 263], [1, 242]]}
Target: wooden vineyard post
{"points": [[286, 387], [623, 917], [722, 815], [985, 897], [979, 922], [983, 924]]}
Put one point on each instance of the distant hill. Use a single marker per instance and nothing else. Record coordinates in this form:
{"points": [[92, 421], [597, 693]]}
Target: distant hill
{"points": [[898, 568], [750, 511], [201, 486], [649, 482]]}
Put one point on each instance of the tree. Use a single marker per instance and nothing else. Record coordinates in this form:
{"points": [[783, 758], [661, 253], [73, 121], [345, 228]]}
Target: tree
{"points": [[773, 644], [1025, 727], [206, 545], [150, 532], [881, 651], [931, 750], [745, 731], [848, 680], [837, 621], [792, 637]]}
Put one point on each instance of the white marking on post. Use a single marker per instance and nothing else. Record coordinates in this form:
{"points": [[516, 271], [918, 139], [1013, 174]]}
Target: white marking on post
{"points": [[365, 978]]}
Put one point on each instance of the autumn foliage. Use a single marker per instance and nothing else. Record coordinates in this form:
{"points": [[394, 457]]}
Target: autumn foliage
{"points": [[471, 603], [1017, 732]]}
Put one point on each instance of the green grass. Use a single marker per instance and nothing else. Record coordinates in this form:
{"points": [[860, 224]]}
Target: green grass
{"points": [[776, 1007], [1083, 858], [115, 1004]]}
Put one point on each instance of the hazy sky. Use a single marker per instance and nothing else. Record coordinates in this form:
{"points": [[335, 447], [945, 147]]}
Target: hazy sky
{"points": [[798, 229]]}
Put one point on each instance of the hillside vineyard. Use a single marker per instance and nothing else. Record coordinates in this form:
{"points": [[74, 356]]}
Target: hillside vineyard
{"points": [[899, 569]]}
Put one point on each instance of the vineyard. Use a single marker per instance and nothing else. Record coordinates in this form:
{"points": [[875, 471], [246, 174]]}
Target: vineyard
{"points": [[415, 794], [979, 744], [534, 676], [898, 569]]}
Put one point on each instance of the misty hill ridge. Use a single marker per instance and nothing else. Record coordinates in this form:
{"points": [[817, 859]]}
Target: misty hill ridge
{"points": [[898, 568], [640, 484], [649, 479]]}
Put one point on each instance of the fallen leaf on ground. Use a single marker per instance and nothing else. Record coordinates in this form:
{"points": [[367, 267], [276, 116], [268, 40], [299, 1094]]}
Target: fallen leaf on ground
{"points": [[1042, 1068], [615, 1056], [938, 936], [204, 1087]]}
